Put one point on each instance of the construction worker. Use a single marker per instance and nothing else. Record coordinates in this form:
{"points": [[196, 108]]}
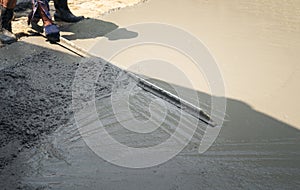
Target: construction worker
{"points": [[41, 11], [7, 12]]}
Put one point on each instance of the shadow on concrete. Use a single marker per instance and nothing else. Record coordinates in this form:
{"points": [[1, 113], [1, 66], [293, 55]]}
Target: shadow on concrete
{"points": [[36, 98], [242, 122], [92, 28]]}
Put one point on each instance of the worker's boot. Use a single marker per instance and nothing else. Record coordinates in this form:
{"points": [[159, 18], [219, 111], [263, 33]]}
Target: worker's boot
{"points": [[63, 13], [40, 10], [51, 30], [6, 35]]}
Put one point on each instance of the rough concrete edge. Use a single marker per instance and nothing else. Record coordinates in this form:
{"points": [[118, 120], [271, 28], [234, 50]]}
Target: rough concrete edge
{"points": [[119, 8]]}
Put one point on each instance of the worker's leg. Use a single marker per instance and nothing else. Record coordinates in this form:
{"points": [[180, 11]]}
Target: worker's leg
{"points": [[41, 10], [7, 13], [63, 13]]}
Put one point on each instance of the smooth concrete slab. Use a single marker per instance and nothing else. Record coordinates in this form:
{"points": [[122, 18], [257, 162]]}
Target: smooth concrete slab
{"points": [[255, 45]]}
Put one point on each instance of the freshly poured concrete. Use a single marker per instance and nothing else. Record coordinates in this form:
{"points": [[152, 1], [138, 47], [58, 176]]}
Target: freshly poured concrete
{"points": [[253, 150], [256, 45]]}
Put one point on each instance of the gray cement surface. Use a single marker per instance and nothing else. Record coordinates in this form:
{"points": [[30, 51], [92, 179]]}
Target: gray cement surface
{"points": [[41, 147]]}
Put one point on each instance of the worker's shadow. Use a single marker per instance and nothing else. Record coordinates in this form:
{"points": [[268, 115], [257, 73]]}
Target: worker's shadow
{"points": [[92, 28]]}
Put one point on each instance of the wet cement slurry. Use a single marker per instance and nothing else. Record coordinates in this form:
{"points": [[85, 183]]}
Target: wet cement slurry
{"points": [[37, 105], [41, 147], [255, 45]]}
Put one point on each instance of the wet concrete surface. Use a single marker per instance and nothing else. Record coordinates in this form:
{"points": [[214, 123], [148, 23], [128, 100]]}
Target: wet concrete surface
{"points": [[42, 148], [255, 45]]}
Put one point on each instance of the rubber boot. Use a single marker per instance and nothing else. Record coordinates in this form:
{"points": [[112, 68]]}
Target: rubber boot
{"points": [[63, 13], [6, 35]]}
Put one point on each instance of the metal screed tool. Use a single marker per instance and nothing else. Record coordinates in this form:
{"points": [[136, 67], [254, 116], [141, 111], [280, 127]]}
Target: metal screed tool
{"points": [[147, 86]]}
